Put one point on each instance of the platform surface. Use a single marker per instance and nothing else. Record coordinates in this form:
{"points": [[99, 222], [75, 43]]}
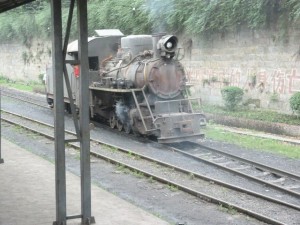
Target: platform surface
{"points": [[27, 194]]}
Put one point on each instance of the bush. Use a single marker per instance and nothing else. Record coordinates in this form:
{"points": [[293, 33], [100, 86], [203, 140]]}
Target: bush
{"points": [[295, 102], [232, 96]]}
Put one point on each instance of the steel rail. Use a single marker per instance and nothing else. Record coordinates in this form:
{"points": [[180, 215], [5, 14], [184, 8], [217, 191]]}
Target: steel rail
{"points": [[256, 179], [24, 100], [255, 164], [166, 181], [27, 94]]}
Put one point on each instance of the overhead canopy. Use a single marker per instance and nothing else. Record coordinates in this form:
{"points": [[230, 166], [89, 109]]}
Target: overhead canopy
{"points": [[10, 4]]}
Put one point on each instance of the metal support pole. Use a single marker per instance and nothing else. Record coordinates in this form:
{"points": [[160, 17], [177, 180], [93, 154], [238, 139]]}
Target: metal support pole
{"points": [[67, 80], [1, 160], [85, 166], [59, 126]]}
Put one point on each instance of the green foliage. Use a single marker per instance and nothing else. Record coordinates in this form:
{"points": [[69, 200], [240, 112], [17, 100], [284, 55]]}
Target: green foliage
{"points": [[32, 86], [232, 96], [228, 208], [198, 17], [24, 24], [128, 16], [295, 103], [274, 97], [4, 80], [172, 187]]}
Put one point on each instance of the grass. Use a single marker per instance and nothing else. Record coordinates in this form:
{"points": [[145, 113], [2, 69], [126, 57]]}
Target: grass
{"points": [[229, 209], [133, 156], [150, 180], [192, 176], [251, 142], [173, 188], [258, 114], [109, 148], [138, 174], [31, 86]]}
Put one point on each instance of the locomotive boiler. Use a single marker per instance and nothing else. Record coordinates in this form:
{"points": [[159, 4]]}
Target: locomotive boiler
{"points": [[138, 85]]}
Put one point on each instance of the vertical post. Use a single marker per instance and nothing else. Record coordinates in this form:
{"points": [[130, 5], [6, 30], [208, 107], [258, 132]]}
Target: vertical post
{"points": [[85, 167], [59, 126], [1, 160]]}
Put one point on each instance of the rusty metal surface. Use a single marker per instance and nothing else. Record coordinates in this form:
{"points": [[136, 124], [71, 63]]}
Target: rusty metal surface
{"points": [[178, 125], [176, 122], [166, 80]]}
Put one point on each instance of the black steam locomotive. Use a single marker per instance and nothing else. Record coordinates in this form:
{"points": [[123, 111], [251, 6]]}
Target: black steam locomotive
{"points": [[138, 85]]}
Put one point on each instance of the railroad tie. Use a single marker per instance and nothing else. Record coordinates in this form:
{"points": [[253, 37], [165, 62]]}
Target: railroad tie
{"points": [[293, 187], [279, 180], [241, 168], [263, 174]]}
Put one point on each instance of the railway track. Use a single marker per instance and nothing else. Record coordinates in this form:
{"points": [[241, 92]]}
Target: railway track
{"points": [[186, 180], [261, 173], [27, 99]]}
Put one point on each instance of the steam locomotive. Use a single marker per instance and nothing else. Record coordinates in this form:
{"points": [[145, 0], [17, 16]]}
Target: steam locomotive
{"points": [[137, 84]]}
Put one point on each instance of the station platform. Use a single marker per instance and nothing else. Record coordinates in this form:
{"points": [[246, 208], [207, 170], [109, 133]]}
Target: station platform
{"points": [[27, 194]]}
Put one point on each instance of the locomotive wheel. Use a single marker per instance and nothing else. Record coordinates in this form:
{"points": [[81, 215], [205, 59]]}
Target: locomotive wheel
{"points": [[119, 125], [112, 120], [127, 128]]}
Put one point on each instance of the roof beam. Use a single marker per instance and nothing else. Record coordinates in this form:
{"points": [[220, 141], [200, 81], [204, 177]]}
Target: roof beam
{"points": [[6, 5]]}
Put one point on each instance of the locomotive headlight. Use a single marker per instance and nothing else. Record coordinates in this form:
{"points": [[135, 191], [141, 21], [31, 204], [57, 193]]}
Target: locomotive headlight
{"points": [[169, 45]]}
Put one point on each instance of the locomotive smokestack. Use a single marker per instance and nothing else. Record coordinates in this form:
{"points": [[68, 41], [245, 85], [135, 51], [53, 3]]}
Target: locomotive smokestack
{"points": [[155, 38]]}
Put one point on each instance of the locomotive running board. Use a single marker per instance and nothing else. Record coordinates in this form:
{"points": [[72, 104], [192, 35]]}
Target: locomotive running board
{"points": [[174, 139]]}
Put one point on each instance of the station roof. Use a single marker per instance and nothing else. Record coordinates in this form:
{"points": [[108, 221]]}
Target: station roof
{"points": [[6, 5]]}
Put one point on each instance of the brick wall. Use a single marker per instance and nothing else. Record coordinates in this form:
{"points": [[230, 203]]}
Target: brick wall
{"points": [[264, 64]]}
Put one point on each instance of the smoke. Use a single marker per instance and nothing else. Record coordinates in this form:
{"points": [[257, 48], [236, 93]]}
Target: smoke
{"points": [[157, 11], [122, 112]]}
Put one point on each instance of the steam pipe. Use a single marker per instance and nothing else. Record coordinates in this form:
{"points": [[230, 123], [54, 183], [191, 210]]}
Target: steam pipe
{"points": [[123, 66]]}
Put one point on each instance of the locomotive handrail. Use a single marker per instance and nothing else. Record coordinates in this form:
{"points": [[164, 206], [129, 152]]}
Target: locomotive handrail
{"points": [[180, 102], [149, 108], [190, 104], [138, 107], [177, 100]]}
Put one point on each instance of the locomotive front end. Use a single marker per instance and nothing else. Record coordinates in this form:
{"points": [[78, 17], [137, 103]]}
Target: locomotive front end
{"points": [[174, 114], [177, 122]]}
